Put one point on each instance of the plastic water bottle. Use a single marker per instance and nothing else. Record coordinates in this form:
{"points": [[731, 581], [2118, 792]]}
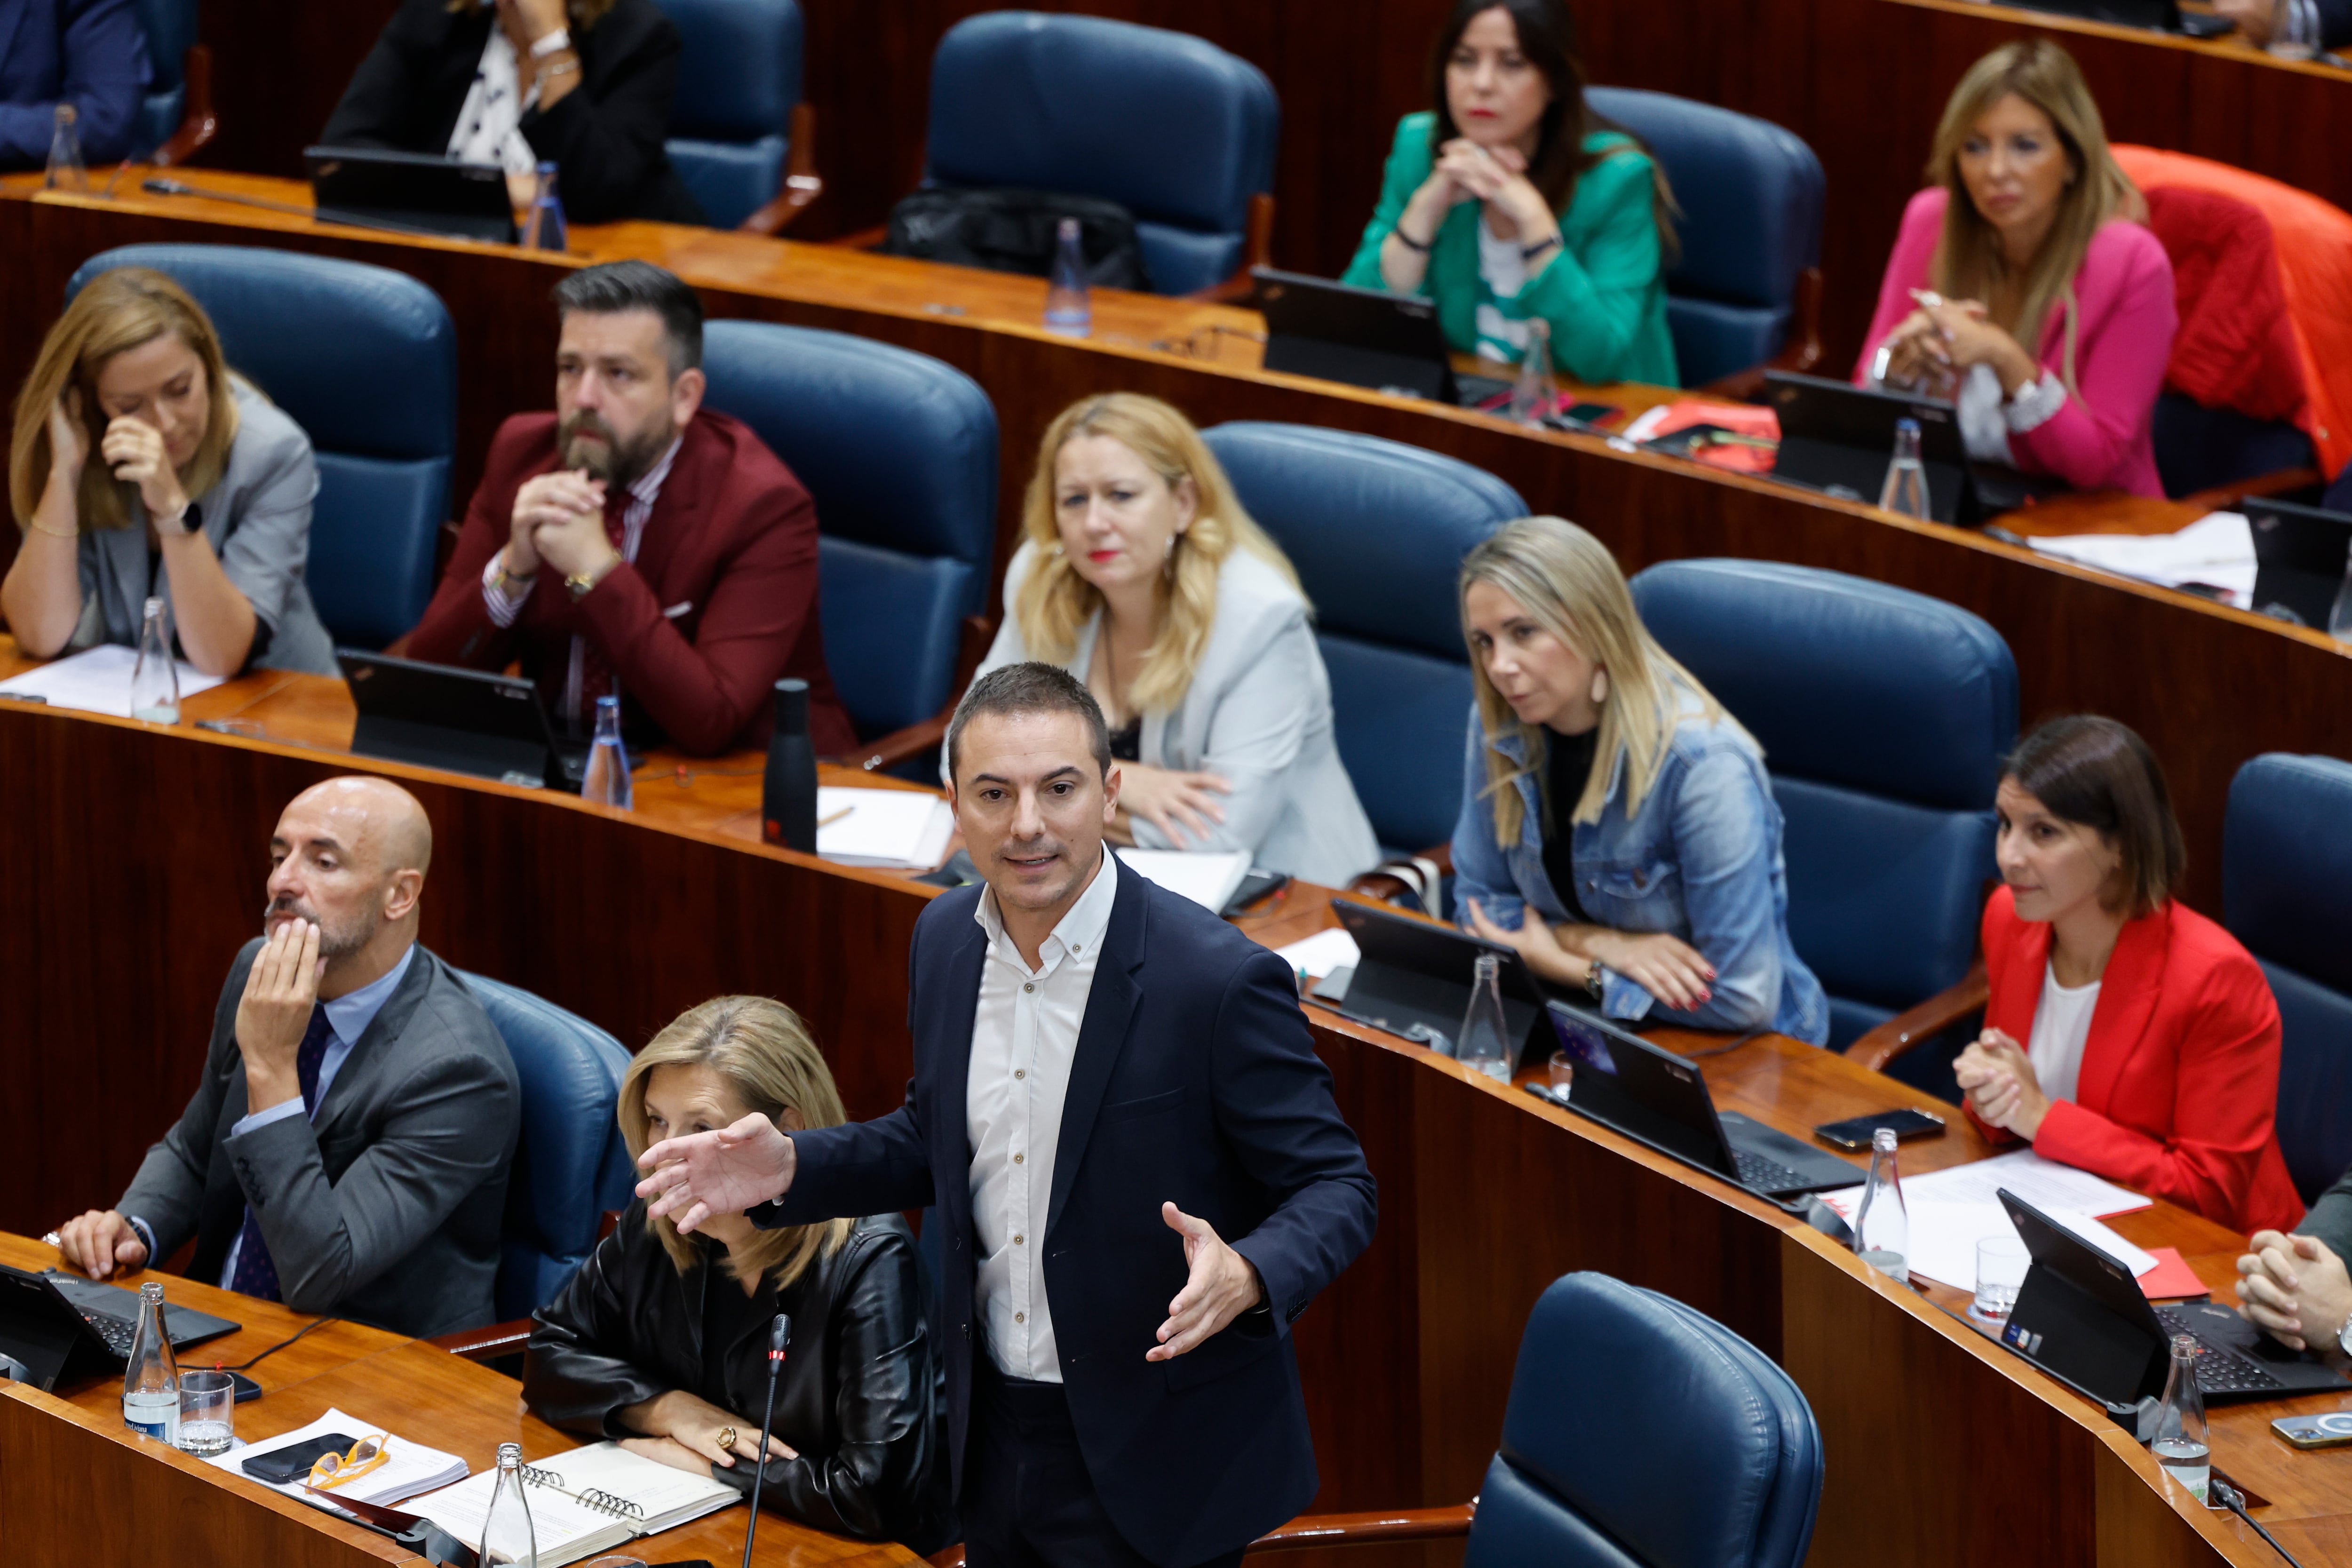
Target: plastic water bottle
{"points": [[2180, 1442], [1882, 1227], [544, 229], [607, 782], [2294, 35], [1534, 395], [151, 1383], [1067, 309], [788, 793], [1484, 1042], [66, 169], [1906, 489], [506, 1534], [155, 678], [2339, 619]]}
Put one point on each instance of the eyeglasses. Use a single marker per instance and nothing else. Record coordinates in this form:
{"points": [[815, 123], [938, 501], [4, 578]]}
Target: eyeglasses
{"points": [[333, 1470]]}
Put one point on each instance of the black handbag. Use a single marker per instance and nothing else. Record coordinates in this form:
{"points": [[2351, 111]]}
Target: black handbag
{"points": [[1006, 230]]}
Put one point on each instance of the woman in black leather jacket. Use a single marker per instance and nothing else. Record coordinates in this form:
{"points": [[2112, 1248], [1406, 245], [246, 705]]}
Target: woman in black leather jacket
{"points": [[658, 1342]]}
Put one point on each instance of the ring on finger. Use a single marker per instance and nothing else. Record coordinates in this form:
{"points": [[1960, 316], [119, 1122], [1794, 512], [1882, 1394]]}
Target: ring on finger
{"points": [[726, 1438]]}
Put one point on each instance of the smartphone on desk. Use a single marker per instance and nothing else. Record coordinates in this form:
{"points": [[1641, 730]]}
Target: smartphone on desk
{"points": [[280, 1467], [1856, 1133], [2330, 1431]]}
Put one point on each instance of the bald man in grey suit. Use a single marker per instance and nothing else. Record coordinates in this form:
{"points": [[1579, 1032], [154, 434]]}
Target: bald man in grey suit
{"points": [[346, 1152]]}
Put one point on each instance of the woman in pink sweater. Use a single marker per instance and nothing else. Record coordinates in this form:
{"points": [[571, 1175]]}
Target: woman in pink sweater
{"points": [[2032, 234]]}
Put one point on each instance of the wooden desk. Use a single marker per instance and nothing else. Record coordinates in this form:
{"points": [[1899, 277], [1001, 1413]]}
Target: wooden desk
{"points": [[2208, 685]]}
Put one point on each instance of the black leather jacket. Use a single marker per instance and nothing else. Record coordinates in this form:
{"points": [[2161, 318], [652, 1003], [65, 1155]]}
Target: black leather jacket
{"points": [[858, 1399]]}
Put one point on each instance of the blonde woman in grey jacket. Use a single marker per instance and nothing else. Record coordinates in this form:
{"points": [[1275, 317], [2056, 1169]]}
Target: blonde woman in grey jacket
{"points": [[1140, 572]]}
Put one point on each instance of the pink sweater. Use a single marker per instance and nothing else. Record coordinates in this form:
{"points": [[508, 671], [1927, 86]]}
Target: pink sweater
{"points": [[2102, 439]]}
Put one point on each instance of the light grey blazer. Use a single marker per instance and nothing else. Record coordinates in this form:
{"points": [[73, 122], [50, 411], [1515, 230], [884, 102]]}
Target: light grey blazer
{"points": [[387, 1207], [1257, 713], [258, 517]]}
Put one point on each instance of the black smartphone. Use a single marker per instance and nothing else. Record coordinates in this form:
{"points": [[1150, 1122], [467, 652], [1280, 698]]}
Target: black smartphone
{"points": [[1257, 885], [2330, 1431], [1594, 413], [1855, 1133], [282, 1465], [247, 1391]]}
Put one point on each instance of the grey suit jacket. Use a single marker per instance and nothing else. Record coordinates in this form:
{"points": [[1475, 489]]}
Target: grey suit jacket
{"points": [[2330, 1219], [1258, 714], [387, 1208], [257, 517]]}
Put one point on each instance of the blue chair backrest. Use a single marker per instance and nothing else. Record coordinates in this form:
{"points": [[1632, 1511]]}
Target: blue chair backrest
{"points": [[2200, 448], [739, 80], [899, 451], [2286, 860], [1378, 531], [1884, 715], [1750, 194], [571, 1164], [1643, 1434], [170, 26], [365, 360], [1170, 126]]}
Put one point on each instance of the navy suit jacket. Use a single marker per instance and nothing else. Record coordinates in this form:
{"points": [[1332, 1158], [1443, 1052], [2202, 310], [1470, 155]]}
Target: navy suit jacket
{"points": [[90, 53], [2334, 23], [1195, 1080]]}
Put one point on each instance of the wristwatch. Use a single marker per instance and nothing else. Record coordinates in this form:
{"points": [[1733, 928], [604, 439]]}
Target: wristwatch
{"points": [[2344, 1337], [1592, 980], [580, 582]]}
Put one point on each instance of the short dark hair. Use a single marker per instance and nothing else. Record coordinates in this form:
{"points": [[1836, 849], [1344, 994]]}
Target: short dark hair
{"points": [[2099, 773], [1031, 687], [612, 287]]}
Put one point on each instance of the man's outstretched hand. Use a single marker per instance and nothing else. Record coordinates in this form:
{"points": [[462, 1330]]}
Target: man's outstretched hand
{"points": [[1222, 1287], [723, 1172]]}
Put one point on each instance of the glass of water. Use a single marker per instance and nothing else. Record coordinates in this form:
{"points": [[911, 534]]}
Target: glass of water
{"points": [[2001, 1263], [207, 1413], [1562, 1067]]}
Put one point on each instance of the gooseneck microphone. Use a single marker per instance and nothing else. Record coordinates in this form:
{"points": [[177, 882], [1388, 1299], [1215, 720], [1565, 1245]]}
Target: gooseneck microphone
{"points": [[779, 1334]]}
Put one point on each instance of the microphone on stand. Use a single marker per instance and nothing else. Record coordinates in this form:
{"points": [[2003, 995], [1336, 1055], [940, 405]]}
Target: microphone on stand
{"points": [[779, 1334]]}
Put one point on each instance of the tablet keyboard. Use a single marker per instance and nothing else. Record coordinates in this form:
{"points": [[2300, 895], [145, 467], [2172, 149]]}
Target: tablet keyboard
{"points": [[2219, 1370], [1766, 1174]]}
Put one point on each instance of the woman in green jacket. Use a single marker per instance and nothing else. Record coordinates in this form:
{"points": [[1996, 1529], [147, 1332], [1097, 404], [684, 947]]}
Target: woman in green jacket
{"points": [[1514, 201]]}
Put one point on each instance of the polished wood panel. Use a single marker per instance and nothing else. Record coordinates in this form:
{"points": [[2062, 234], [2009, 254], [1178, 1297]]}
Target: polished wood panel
{"points": [[2209, 686]]}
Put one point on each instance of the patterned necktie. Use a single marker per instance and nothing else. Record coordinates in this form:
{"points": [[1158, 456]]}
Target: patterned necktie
{"points": [[596, 669], [255, 1274]]}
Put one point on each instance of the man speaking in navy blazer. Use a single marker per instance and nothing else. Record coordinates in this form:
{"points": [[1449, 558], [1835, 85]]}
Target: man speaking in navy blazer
{"points": [[1141, 1177]]}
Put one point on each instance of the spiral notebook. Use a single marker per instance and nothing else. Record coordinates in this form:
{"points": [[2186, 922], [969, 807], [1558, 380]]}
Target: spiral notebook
{"points": [[583, 1502]]}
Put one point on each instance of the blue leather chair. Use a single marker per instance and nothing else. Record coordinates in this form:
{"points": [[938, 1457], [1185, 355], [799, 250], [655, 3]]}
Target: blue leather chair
{"points": [[1640, 1434], [175, 117], [739, 115], [2339, 494], [1884, 715], [365, 360], [899, 452], [2286, 863], [1378, 531], [571, 1164], [1170, 126], [1747, 286], [2200, 448]]}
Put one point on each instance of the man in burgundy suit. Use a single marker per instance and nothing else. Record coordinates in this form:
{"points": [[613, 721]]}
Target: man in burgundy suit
{"points": [[635, 542]]}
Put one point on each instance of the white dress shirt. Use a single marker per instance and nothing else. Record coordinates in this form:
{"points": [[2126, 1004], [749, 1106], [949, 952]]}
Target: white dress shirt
{"points": [[1024, 1036], [2061, 1027]]}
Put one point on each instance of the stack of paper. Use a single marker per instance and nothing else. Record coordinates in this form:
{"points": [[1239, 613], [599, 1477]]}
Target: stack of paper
{"points": [[1208, 878], [909, 828], [97, 680], [1950, 1211], [2217, 551], [1320, 954], [407, 1469], [583, 1502]]}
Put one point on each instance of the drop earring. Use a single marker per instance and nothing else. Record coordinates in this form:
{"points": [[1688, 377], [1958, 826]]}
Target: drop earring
{"points": [[1600, 687]]}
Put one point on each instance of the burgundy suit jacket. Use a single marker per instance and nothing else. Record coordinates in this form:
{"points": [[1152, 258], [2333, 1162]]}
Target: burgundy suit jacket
{"points": [[732, 538], [2178, 1090]]}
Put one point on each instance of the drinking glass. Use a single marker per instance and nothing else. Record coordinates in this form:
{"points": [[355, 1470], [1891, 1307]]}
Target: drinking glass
{"points": [[207, 1413], [1563, 1073], [2001, 1263]]}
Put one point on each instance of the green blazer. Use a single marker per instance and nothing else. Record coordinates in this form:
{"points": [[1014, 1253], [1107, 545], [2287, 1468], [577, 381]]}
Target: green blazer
{"points": [[1603, 295]]}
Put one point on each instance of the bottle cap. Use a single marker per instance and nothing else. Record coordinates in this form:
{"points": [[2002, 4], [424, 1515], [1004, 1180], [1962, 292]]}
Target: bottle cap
{"points": [[1910, 424]]}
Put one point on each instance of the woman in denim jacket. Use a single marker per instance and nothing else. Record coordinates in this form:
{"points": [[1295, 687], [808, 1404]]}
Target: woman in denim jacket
{"points": [[1639, 824]]}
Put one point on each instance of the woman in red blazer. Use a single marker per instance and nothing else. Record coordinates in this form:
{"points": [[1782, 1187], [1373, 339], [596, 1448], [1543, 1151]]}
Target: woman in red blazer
{"points": [[2150, 1051]]}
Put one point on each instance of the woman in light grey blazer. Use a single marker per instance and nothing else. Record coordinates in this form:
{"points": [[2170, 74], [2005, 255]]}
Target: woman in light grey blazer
{"points": [[1141, 575], [141, 468]]}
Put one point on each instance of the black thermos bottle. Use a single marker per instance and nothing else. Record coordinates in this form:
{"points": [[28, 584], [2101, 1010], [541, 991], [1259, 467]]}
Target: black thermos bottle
{"points": [[788, 797]]}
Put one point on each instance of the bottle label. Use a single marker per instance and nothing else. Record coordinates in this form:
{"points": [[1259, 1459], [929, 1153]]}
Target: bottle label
{"points": [[152, 1418]]}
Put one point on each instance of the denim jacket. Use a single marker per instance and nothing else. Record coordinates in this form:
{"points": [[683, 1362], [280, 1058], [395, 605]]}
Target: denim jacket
{"points": [[1700, 861]]}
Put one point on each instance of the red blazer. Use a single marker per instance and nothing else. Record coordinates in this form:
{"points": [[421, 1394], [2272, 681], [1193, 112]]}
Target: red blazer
{"points": [[2179, 1090], [733, 537]]}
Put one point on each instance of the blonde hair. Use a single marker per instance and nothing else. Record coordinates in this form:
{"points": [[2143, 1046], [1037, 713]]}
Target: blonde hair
{"points": [[1055, 602], [116, 312], [764, 1053], [1568, 582], [1970, 263]]}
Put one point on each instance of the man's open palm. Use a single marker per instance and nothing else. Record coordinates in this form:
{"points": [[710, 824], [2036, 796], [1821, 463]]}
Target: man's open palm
{"points": [[722, 1172]]}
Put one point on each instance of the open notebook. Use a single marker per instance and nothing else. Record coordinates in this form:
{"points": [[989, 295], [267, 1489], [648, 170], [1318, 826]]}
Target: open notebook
{"points": [[583, 1502]]}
